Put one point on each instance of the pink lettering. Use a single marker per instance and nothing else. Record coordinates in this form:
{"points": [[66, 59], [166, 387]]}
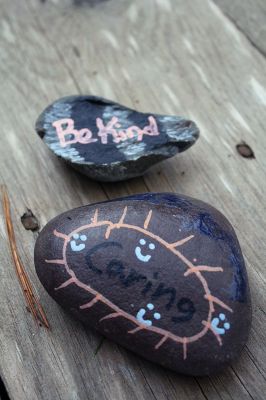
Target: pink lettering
{"points": [[104, 131], [134, 131], [83, 136], [67, 134], [152, 129]]}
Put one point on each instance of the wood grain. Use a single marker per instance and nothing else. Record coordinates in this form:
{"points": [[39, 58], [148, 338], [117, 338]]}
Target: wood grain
{"points": [[164, 56], [249, 17]]}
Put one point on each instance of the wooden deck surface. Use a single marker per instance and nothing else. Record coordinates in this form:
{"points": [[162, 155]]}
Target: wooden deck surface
{"points": [[165, 56]]}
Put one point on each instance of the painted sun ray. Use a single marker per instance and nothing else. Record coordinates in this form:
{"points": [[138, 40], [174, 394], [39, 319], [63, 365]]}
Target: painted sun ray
{"points": [[108, 231], [66, 283], [147, 220], [137, 329], [120, 222], [181, 242], [218, 337], [94, 219], [91, 303], [214, 299], [61, 262], [160, 343], [110, 316], [204, 268], [185, 349], [61, 235]]}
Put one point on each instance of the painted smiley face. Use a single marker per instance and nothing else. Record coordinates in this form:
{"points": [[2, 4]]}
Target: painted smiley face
{"points": [[215, 323], [141, 314], [138, 251], [75, 246]]}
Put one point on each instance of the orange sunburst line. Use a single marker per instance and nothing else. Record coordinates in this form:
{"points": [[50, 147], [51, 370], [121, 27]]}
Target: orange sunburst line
{"points": [[112, 315], [61, 262], [205, 323], [181, 242], [205, 268], [122, 217], [61, 235], [147, 220], [94, 219], [66, 283], [214, 299], [91, 303], [185, 349], [139, 328], [159, 344], [108, 231]]}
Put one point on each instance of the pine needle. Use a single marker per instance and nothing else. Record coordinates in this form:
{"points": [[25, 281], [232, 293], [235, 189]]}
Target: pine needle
{"points": [[34, 305]]}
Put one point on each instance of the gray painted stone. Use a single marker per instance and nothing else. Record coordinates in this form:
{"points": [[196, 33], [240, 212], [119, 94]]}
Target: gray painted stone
{"points": [[109, 142]]}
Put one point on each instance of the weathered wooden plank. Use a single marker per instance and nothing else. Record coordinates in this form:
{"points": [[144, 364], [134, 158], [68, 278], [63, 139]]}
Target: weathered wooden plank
{"points": [[249, 17], [164, 56]]}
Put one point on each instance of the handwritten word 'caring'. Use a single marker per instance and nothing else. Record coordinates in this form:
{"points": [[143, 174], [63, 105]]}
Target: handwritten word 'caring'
{"points": [[68, 135]]}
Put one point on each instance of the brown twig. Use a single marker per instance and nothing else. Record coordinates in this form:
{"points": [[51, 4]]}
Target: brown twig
{"points": [[31, 300]]}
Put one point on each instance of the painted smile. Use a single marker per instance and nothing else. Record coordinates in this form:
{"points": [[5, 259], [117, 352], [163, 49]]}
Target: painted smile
{"points": [[141, 256], [138, 252], [75, 246], [141, 313]]}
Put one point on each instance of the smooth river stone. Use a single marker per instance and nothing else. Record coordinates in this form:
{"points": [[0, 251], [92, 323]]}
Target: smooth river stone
{"points": [[109, 142], [160, 274]]}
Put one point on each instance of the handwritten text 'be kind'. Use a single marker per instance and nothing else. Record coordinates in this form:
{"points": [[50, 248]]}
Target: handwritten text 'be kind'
{"points": [[68, 135]]}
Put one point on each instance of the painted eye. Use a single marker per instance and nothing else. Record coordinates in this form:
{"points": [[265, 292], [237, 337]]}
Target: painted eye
{"points": [[151, 246], [150, 306], [76, 236], [142, 241], [157, 315], [83, 238]]}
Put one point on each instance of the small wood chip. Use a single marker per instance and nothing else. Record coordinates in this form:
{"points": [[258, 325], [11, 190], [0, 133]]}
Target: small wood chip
{"points": [[29, 221]]}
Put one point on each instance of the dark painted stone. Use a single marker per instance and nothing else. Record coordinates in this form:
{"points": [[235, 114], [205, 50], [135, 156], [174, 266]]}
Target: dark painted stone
{"points": [[109, 142], [160, 274]]}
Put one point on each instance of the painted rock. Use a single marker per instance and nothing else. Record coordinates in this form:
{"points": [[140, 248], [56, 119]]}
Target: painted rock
{"points": [[161, 274], [109, 142]]}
